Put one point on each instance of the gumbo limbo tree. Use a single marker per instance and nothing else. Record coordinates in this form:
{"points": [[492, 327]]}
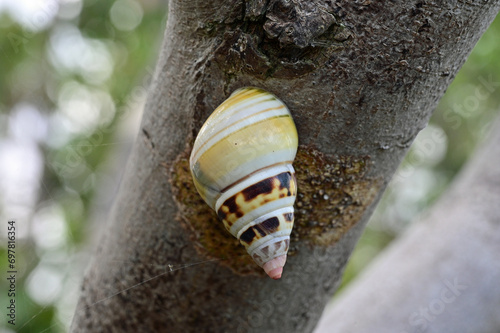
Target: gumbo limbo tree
{"points": [[361, 79]]}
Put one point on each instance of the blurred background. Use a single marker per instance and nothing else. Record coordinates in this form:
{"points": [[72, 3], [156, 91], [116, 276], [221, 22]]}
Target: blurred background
{"points": [[73, 80]]}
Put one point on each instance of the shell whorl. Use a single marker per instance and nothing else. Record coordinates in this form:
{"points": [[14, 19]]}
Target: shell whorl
{"points": [[242, 167]]}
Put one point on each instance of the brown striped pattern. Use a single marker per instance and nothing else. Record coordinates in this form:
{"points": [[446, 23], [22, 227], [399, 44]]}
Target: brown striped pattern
{"points": [[254, 196], [260, 230]]}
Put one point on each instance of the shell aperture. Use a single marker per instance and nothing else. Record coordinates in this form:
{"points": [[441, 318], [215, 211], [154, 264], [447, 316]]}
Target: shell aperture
{"points": [[241, 165]]}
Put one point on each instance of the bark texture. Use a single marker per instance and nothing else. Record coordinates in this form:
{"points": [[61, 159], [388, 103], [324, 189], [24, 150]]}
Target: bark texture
{"points": [[442, 275], [360, 78]]}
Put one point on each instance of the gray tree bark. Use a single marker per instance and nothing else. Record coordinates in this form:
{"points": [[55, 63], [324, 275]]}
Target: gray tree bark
{"points": [[442, 275], [360, 78]]}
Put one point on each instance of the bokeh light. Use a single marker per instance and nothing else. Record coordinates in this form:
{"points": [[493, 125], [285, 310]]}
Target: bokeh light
{"points": [[74, 76]]}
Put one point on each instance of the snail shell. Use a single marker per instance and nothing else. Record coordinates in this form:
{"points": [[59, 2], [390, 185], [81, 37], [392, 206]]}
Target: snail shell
{"points": [[242, 167]]}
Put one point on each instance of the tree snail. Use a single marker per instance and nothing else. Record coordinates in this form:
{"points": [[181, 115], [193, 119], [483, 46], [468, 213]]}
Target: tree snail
{"points": [[241, 165]]}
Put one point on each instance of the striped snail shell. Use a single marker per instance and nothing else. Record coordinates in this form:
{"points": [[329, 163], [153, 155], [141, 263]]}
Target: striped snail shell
{"points": [[242, 167]]}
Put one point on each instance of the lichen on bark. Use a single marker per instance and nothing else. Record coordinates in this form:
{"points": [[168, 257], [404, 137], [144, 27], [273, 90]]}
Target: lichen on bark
{"points": [[333, 194]]}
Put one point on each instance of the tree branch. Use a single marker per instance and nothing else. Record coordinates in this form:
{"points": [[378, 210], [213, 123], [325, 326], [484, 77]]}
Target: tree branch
{"points": [[360, 79], [442, 275]]}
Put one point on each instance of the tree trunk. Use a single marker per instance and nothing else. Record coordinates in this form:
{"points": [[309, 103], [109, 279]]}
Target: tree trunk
{"points": [[361, 80], [442, 275]]}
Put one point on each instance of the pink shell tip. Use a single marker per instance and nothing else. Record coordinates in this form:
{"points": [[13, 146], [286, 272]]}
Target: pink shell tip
{"points": [[274, 267]]}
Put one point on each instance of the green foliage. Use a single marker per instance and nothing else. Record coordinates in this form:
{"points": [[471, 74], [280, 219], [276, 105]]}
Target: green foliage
{"points": [[81, 68]]}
